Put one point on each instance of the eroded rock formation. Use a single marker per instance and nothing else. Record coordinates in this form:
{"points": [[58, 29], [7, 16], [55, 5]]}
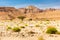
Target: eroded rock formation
{"points": [[29, 12]]}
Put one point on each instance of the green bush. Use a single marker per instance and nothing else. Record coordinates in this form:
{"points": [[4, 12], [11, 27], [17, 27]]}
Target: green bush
{"points": [[16, 29], [21, 17], [8, 28], [26, 24], [51, 30], [22, 27], [37, 25], [58, 33]]}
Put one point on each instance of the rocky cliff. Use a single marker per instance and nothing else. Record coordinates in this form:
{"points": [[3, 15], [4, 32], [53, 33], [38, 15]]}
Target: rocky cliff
{"points": [[8, 12], [29, 12]]}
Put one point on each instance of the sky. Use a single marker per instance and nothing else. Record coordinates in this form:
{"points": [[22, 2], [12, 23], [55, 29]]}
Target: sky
{"points": [[24, 3]]}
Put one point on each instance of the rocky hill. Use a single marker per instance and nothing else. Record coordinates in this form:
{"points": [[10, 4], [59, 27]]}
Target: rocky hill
{"points": [[31, 12], [8, 12]]}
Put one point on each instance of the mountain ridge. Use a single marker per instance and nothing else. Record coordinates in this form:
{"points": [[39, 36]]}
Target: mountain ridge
{"points": [[7, 13]]}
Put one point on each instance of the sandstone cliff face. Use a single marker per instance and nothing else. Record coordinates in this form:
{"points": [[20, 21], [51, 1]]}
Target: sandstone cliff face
{"points": [[30, 9], [8, 12], [29, 12]]}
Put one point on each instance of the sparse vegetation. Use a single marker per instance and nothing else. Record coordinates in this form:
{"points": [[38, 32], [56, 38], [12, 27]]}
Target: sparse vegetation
{"points": [[21, 17], [30, 19], [31, 32], [37, 25], [8, 28], [40, 38], [26, 24], [58, 33], [22, 27], [25, 28], [16, 29], [51, 30]]}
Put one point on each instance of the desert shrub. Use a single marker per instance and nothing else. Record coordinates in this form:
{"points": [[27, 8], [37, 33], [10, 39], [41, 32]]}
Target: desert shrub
{"points": [[47, 22], [40, 38], [51, 30], [30, 19], [16, 29], [58, 33], [26, 24], [8, 28], [22, 27], [21, 17], [31, 32], [37, 25]]}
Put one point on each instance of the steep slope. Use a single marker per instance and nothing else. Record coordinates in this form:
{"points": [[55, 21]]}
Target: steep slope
{"points": [[8, 12]]}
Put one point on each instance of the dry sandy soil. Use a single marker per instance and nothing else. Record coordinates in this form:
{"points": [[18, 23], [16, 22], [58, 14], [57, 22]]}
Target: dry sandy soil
{"points": [[30, 26]]}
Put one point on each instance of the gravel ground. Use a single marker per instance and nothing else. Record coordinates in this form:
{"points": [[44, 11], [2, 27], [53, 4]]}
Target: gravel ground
{"points": [[30, 32]]}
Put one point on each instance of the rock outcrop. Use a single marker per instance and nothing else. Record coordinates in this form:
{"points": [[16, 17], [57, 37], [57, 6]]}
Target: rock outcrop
{"points": [[30, 9], [29, 12], [8, 12]]}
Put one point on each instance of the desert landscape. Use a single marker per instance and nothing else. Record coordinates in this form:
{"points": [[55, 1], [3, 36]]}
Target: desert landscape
{"points": [[29, 19], [29, 12], [29, 23]]}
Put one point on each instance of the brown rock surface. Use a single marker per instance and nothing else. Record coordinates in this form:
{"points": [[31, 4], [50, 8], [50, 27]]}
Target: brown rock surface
{"points": [[30, 12], [8, 12]]}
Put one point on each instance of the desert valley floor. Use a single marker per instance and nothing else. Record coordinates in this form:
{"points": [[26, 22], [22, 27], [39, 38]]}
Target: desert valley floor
{"points": [[29, 30], [29, 23]]}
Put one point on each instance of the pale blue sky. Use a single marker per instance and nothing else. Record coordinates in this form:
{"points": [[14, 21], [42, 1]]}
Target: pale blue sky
{"points": [[37, 3]]}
